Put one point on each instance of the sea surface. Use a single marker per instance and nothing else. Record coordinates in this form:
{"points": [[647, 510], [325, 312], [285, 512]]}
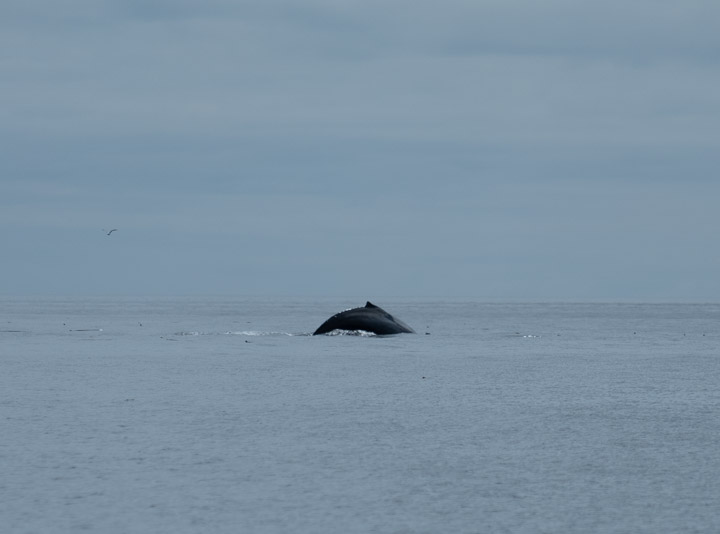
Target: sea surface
{"points": [[223, 415]]}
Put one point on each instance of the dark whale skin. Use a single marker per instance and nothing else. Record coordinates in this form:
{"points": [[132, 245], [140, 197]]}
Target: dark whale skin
{"points": [[369, 318]]}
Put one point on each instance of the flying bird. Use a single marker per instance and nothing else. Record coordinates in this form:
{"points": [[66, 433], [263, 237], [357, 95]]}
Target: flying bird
{"points": [[111, 231]]}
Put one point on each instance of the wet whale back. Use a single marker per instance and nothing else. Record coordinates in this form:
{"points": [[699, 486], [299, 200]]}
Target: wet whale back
{"points": [[370, 318]]}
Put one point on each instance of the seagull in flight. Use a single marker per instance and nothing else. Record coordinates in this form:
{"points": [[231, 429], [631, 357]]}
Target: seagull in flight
{"points": [[111, 231]]}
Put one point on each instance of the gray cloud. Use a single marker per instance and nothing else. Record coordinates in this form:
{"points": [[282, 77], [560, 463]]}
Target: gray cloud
{"points": [[509, 149]]}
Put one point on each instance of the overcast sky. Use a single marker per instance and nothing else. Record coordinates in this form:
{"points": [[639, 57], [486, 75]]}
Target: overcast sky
{"points": [[497, 149]]}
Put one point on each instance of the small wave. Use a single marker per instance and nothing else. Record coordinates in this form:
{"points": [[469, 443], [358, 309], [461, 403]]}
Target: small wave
{"points": [[359, 333], [524, 336], [256, 333], [240, 333]]}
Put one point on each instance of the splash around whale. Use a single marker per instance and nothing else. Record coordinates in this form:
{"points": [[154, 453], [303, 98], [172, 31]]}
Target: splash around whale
{"points": [[369, 318]]}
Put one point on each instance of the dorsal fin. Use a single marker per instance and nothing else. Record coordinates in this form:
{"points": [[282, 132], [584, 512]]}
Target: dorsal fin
{"points": [[370, 305]]}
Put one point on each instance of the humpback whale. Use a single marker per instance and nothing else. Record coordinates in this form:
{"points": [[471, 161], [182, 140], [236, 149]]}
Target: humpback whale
{"points": [[369, 318]]}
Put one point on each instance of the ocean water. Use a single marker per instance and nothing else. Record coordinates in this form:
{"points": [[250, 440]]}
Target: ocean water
{"points": [[184, 415]]}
